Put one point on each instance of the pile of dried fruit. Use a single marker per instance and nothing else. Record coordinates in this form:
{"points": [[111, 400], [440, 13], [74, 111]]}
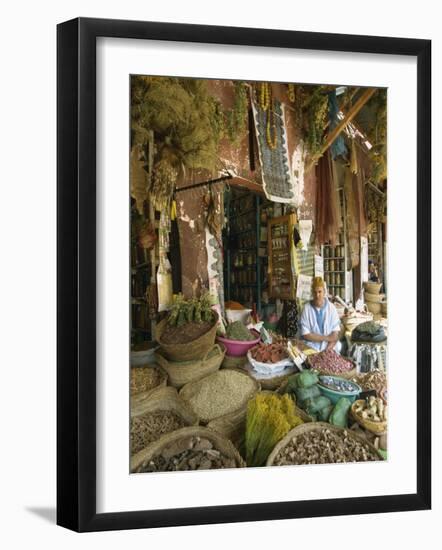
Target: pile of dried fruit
{"points": [[144, 379], [149, 427], [331, 362], [324, 447], [374, 380], [194, 453], [269, 353]]}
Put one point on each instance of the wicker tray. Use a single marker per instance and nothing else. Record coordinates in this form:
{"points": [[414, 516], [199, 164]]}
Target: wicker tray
{"points": [[317, 426], [377, 428], [222, 444]]}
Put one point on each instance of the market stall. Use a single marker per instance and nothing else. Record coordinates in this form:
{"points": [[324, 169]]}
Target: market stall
{"points": [[248, 205]]}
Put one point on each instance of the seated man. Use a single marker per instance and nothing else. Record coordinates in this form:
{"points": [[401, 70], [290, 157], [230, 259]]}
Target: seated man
{"points": [[320, 322]]}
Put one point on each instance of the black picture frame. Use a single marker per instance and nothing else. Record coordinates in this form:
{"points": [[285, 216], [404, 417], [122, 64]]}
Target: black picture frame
{"points": [[76, 273]]}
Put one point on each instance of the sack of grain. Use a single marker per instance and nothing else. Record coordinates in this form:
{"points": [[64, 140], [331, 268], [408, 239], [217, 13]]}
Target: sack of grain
{"points": [[223, 392]]}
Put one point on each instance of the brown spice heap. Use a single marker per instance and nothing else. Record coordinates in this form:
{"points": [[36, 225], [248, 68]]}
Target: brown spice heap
{"points": [[324, 447], [194, 453], [220, 393], [374, 380], [149, 427], [144, 379]]}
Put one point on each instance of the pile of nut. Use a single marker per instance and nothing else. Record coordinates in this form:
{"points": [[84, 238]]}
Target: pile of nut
{"points": [[191, 453], [324, 447]]}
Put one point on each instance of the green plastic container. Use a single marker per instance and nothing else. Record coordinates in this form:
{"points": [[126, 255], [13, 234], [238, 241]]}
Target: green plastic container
{"points": [[334, 396]]}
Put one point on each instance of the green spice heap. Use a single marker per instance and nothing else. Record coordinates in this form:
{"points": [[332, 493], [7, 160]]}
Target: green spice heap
{"points": [[237, 331]]}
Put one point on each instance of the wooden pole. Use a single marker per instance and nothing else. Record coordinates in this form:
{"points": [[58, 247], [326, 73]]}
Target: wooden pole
{"points": [[338, 129]]}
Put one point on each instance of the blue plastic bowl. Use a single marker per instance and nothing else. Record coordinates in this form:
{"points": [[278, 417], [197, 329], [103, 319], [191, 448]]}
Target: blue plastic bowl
{"points": [[335, 395]]}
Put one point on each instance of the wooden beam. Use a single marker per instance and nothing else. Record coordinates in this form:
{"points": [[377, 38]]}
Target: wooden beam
{"points": [[338, 129], [238, 181]]}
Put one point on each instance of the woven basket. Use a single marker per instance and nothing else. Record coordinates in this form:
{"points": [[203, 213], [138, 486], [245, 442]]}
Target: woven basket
{"points": [[372, 287], [219, 442], [233, 362], [374, 307], [232, 426], [374, 298], [183, 372], [317, 426], [370, 425], [356, 318], [196, 349], [384, 308], [164, 399], [191, 389]]}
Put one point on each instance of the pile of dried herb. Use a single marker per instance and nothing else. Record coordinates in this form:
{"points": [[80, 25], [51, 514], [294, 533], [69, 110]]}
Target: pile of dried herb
{"points": [[269, 418], [237, 331], [144, 379]]}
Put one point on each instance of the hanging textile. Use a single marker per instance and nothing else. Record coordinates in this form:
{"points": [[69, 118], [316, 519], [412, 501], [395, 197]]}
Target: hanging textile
{"points": [[337, 148], [277, 177], [327, 212], [356, 219]]}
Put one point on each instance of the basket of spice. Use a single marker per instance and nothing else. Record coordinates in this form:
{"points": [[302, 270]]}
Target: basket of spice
{"points": [[183, 372], [189, 330], [145, 379], [331, 362], [371, 414], [238, 339], [162, 413], [269, 358], [223, 392], [322, 443], [191, 448]]}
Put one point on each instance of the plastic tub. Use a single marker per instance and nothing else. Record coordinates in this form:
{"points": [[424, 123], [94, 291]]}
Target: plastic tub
{"points": [[335, 395], [238, 348]]}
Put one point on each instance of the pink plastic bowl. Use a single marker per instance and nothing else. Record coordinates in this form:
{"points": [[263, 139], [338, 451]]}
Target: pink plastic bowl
{"points": [[236, 348]]}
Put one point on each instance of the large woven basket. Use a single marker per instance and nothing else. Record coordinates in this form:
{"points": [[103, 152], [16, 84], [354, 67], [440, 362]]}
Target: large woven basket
{"points": [[372, 287], [317, 426], [164, 399], [183, 372], [195, 349], [373, 427], [191, 389], [374, 298], [219, 442]]}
